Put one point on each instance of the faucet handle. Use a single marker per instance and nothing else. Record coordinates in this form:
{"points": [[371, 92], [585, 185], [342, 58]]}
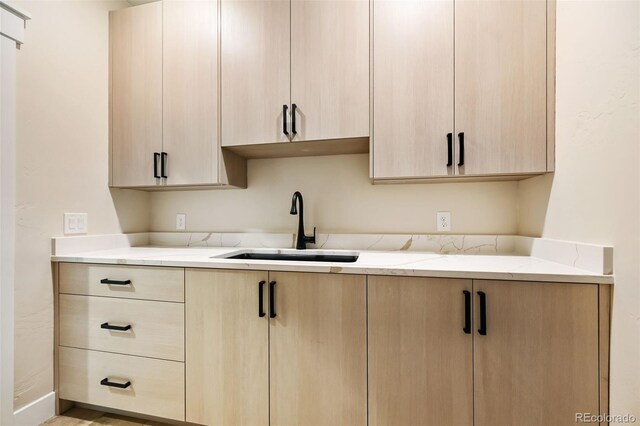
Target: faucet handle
{"points": [[311, 239]]}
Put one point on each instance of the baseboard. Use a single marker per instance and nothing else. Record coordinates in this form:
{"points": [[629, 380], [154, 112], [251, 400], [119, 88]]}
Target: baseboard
{"points": [[36, 412]]}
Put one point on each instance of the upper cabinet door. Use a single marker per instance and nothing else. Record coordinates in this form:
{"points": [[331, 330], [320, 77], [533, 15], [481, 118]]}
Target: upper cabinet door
{"points": [[412, 88], [500, 77], [190, 91], [330, 69], [255, 71], [136, 93]]}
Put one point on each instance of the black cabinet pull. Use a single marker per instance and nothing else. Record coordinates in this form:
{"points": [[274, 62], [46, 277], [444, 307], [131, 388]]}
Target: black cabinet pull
{"points": [[483, 313], [293, 118], [461, 139], [449, 149], [108, 326], [156, 157], [284, 120], [163, 164], [106, 382], [467, 312], [272, 299], [260, 298], [114, 282]]}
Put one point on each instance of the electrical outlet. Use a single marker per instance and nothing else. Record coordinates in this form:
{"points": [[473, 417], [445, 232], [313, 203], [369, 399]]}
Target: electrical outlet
{"points": [[443, 221], [76, 223], [181, 221]]}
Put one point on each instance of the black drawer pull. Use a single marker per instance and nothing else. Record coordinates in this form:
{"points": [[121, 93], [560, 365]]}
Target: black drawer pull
{"points": [[156, 158], [483, 313], [461, 139], [467, 312], [108, 326], [284, 120], [260, 299], [272, 299], [106, 382], [293, 119], [114, 282], [449, 149]]}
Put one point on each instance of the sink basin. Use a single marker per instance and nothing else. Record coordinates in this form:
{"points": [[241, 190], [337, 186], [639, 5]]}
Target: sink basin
{"points": [[294, 255]]}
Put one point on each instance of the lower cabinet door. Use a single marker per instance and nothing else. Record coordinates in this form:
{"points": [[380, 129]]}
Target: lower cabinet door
{"points": [[420, 355], [227, 348], [131, 383], [536, 362], [318, 350]]}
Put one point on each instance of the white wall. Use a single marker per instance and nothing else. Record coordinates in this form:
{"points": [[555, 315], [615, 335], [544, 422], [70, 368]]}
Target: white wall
{"points": [[62, 165], [338, 198], [595, 193]]}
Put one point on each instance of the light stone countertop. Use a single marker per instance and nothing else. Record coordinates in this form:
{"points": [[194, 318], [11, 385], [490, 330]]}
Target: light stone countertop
{"points": [[402, 263]]}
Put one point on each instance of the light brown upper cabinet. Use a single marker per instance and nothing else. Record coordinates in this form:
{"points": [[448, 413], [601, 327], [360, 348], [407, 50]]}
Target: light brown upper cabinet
{"points": [[484, 110], [294, 71], [136, 94], [535, 345], [164, 98]]}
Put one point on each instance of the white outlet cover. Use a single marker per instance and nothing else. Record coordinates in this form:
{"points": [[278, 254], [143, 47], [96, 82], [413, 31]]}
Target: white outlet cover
{"points": [[181, 222], [443, 221], [76, 223]]}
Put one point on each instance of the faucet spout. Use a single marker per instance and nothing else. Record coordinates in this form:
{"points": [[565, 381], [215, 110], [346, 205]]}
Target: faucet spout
{"points": [[297, 207]]}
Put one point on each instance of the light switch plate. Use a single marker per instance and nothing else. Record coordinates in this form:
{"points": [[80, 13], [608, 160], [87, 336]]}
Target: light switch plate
{"points": [[443, 221], [181, 222], [76, 223]]}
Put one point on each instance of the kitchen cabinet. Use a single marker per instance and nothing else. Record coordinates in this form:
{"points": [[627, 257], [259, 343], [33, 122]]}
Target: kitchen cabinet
{"points": [[536, 356], [294, 71], [420, 356], [136, 94], [318, 358], [412, 88], [255, 71], [485, 110], [227, 348], [305, 353], [164, 98]]}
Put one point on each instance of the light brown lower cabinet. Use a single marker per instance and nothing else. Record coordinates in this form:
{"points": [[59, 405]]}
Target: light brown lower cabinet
{"points": [[420, 358], [537, 364], [531, 357], [302, 363]]}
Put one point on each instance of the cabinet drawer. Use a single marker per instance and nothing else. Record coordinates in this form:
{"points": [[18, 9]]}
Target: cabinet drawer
{"points": [[156, 387], [156, 328], [150, 283]]}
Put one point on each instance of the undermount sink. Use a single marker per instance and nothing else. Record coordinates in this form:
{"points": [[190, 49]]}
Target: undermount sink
{"points": [[294, 255]]}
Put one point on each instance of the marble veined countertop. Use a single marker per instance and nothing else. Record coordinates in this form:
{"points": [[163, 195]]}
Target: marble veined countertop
{"points": [[403, 263]]}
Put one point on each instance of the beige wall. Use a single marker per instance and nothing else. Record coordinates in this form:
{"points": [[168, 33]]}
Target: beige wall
{"points": [[338, 198], [595, 193], [62, 138]]}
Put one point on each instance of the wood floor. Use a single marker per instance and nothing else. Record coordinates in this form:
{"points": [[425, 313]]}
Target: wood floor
{"points": [[84, 417]]}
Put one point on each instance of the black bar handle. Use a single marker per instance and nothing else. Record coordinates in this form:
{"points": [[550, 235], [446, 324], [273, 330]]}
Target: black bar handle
{"points": [[461, 139], [163, 164], [284, 120], [108, 326], [467, 312], [272, 299], [483, 313], [260, 298], [293, 119], [449, 149], [114, 282], [106, 382], [156, 157]]}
